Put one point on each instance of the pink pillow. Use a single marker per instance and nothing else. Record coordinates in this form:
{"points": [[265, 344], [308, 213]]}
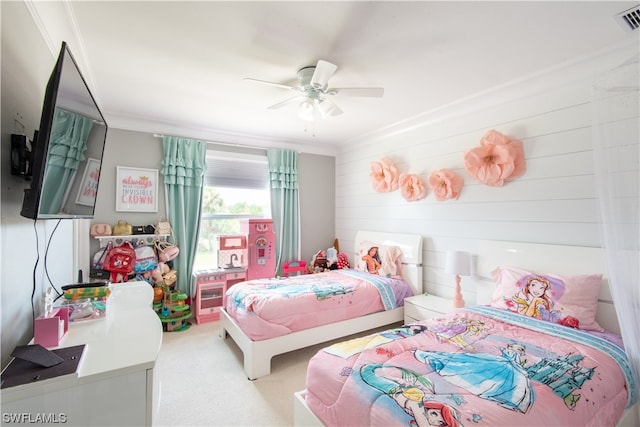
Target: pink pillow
{"points": [[550, 297], [385, 260]]}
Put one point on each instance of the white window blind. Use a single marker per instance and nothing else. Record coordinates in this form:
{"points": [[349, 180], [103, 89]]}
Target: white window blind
{"points": [[236, 170]]}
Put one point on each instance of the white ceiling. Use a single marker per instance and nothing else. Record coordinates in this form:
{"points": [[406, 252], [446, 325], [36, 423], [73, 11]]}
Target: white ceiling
{"points": [[177, 67]]}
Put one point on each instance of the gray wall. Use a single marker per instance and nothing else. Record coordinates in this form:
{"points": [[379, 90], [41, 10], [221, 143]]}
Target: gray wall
{"points": [[316, 179], [129, 148], [26, 67], [133, 149]]}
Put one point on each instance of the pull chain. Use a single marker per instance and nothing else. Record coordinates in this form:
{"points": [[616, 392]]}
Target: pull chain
{"points": [[313, 128]]}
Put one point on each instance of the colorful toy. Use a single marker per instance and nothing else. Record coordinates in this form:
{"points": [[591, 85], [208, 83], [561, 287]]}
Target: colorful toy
{"points": [[342, 262], [296, 266], [163, 275], [173, 311], [158, 272], [318, 263], [158, 293], [81, 293], [329, 260]]}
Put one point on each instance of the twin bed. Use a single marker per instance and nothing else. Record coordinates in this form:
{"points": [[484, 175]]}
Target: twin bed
{"points": [[259, 342], [482, 365], [488, 364]]}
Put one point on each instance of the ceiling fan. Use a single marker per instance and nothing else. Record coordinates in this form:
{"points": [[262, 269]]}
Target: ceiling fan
{"points": [[313, 92]]}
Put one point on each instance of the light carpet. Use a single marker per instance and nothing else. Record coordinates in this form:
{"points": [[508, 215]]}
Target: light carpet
{"points": [[199, 381]]}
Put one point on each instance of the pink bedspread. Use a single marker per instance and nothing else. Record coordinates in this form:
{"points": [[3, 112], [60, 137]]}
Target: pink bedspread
{"points": [[477, 367], [267, 308]]}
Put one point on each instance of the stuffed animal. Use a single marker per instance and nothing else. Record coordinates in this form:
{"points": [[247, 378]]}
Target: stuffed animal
{"points": [[329, 260], [158, 272], [343, 261], [318, 263]]}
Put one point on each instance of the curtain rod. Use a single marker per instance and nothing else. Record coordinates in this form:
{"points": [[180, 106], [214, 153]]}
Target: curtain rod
{"points": [[228, 144]]}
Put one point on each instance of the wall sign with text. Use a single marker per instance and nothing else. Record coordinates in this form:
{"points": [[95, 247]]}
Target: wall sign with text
{"points": [[89, 184], [136, 189]]}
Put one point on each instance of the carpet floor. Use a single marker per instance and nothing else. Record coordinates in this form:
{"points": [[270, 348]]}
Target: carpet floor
{"points": [[199, 381]]}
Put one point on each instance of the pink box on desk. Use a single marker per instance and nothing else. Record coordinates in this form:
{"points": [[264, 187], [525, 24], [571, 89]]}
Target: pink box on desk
{"points": [[48, 331]]}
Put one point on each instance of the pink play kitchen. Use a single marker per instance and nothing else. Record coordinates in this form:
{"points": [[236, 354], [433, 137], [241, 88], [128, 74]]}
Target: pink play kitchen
{"points": [[232, 251], [246, 256], [261, 247]]}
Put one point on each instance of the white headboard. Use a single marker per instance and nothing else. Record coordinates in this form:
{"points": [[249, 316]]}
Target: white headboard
{"points": [[557, 259], [411, 245]]}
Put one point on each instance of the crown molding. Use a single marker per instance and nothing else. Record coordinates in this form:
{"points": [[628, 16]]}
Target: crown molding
{"points": [[586, 67], [216, 136]]}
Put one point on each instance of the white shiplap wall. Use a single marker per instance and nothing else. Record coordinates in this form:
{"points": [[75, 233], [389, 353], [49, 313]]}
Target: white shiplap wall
{"points": [[554, 202]]}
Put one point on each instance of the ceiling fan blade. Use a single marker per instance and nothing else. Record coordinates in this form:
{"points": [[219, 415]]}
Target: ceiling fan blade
{"points": [[368, 92], [324, 70], [285, 102], [272, 83]]}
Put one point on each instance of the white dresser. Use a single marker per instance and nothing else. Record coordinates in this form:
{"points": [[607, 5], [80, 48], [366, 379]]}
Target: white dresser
{"points": [[114, 385], [422, 307]]}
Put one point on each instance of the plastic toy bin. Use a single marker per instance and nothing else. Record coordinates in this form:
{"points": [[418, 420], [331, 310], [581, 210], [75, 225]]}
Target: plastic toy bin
{"points": [[86, 303]]}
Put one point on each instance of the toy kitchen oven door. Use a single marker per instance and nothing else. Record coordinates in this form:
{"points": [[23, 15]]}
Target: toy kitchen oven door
{"points": [[261, 240]]}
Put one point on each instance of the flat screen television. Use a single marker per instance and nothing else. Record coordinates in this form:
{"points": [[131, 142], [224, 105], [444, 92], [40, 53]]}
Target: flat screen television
{"points": [[67, 152]]}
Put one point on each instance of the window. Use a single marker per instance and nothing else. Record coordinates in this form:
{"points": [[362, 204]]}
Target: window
{"points": [[236, 187]]}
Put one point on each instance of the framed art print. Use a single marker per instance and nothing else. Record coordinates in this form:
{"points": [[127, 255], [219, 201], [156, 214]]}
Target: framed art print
{"points": [[136, 189], [89, 185]]}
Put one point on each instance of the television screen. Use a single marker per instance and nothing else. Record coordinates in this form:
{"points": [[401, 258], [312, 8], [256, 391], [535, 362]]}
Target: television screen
{"points": [[67, 154]]}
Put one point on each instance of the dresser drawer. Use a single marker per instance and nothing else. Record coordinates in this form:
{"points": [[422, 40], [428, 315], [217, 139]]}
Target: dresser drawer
{"points": [[422, 307], [241, 275]]}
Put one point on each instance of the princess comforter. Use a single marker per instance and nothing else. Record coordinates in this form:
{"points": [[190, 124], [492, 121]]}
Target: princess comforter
{"points": [[267, 308], [480, 366]]}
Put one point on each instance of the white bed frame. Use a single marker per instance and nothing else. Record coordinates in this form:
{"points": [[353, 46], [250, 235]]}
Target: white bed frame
{"points": [[544, 258], [258, 354]]}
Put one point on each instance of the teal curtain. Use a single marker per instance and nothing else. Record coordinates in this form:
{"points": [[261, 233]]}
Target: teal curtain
{"points": [[67, 144], [183, 168], [285, 209]]}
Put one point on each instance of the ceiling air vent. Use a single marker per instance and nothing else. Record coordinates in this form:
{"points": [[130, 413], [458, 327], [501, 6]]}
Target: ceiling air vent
{"points": [[629, 19]]}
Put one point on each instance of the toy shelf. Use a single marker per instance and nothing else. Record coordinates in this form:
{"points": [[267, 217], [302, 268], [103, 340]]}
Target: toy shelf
{"points": [[135, 239]]}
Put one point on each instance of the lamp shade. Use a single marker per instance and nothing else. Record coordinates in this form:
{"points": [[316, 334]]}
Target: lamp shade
{"points": [[307, 110], [325, 108], [459, 263]]}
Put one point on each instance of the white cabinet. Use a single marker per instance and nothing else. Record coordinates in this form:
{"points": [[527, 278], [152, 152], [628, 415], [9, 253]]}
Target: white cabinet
{"points": [[422, 307], [114, 383]]}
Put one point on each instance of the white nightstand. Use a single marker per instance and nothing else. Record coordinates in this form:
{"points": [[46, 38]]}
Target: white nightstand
{"points": [[422, 307]]}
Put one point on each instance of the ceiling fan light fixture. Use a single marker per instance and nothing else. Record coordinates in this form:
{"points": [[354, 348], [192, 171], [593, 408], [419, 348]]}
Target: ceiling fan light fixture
{"points": [[325, 108], [313, 92], [307, 110]]}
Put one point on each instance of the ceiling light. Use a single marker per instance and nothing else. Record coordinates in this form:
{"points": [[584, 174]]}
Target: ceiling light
{"points": [[307, 110], [325, 108]]}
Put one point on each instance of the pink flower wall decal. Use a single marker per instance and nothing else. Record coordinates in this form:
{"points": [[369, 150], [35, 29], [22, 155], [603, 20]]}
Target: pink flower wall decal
{"points": [[445, 184], [384, 175], [412, 187], [498, 159]]}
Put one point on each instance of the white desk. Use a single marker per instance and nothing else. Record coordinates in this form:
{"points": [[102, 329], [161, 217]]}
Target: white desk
{"points": [[114, 385]]}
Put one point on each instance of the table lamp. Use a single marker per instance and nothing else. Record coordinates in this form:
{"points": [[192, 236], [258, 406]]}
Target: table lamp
{"points": [[458, 263]]}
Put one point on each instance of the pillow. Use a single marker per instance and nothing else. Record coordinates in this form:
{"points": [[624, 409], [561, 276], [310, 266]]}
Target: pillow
{"points": [[384, 260], [550, 297]]}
